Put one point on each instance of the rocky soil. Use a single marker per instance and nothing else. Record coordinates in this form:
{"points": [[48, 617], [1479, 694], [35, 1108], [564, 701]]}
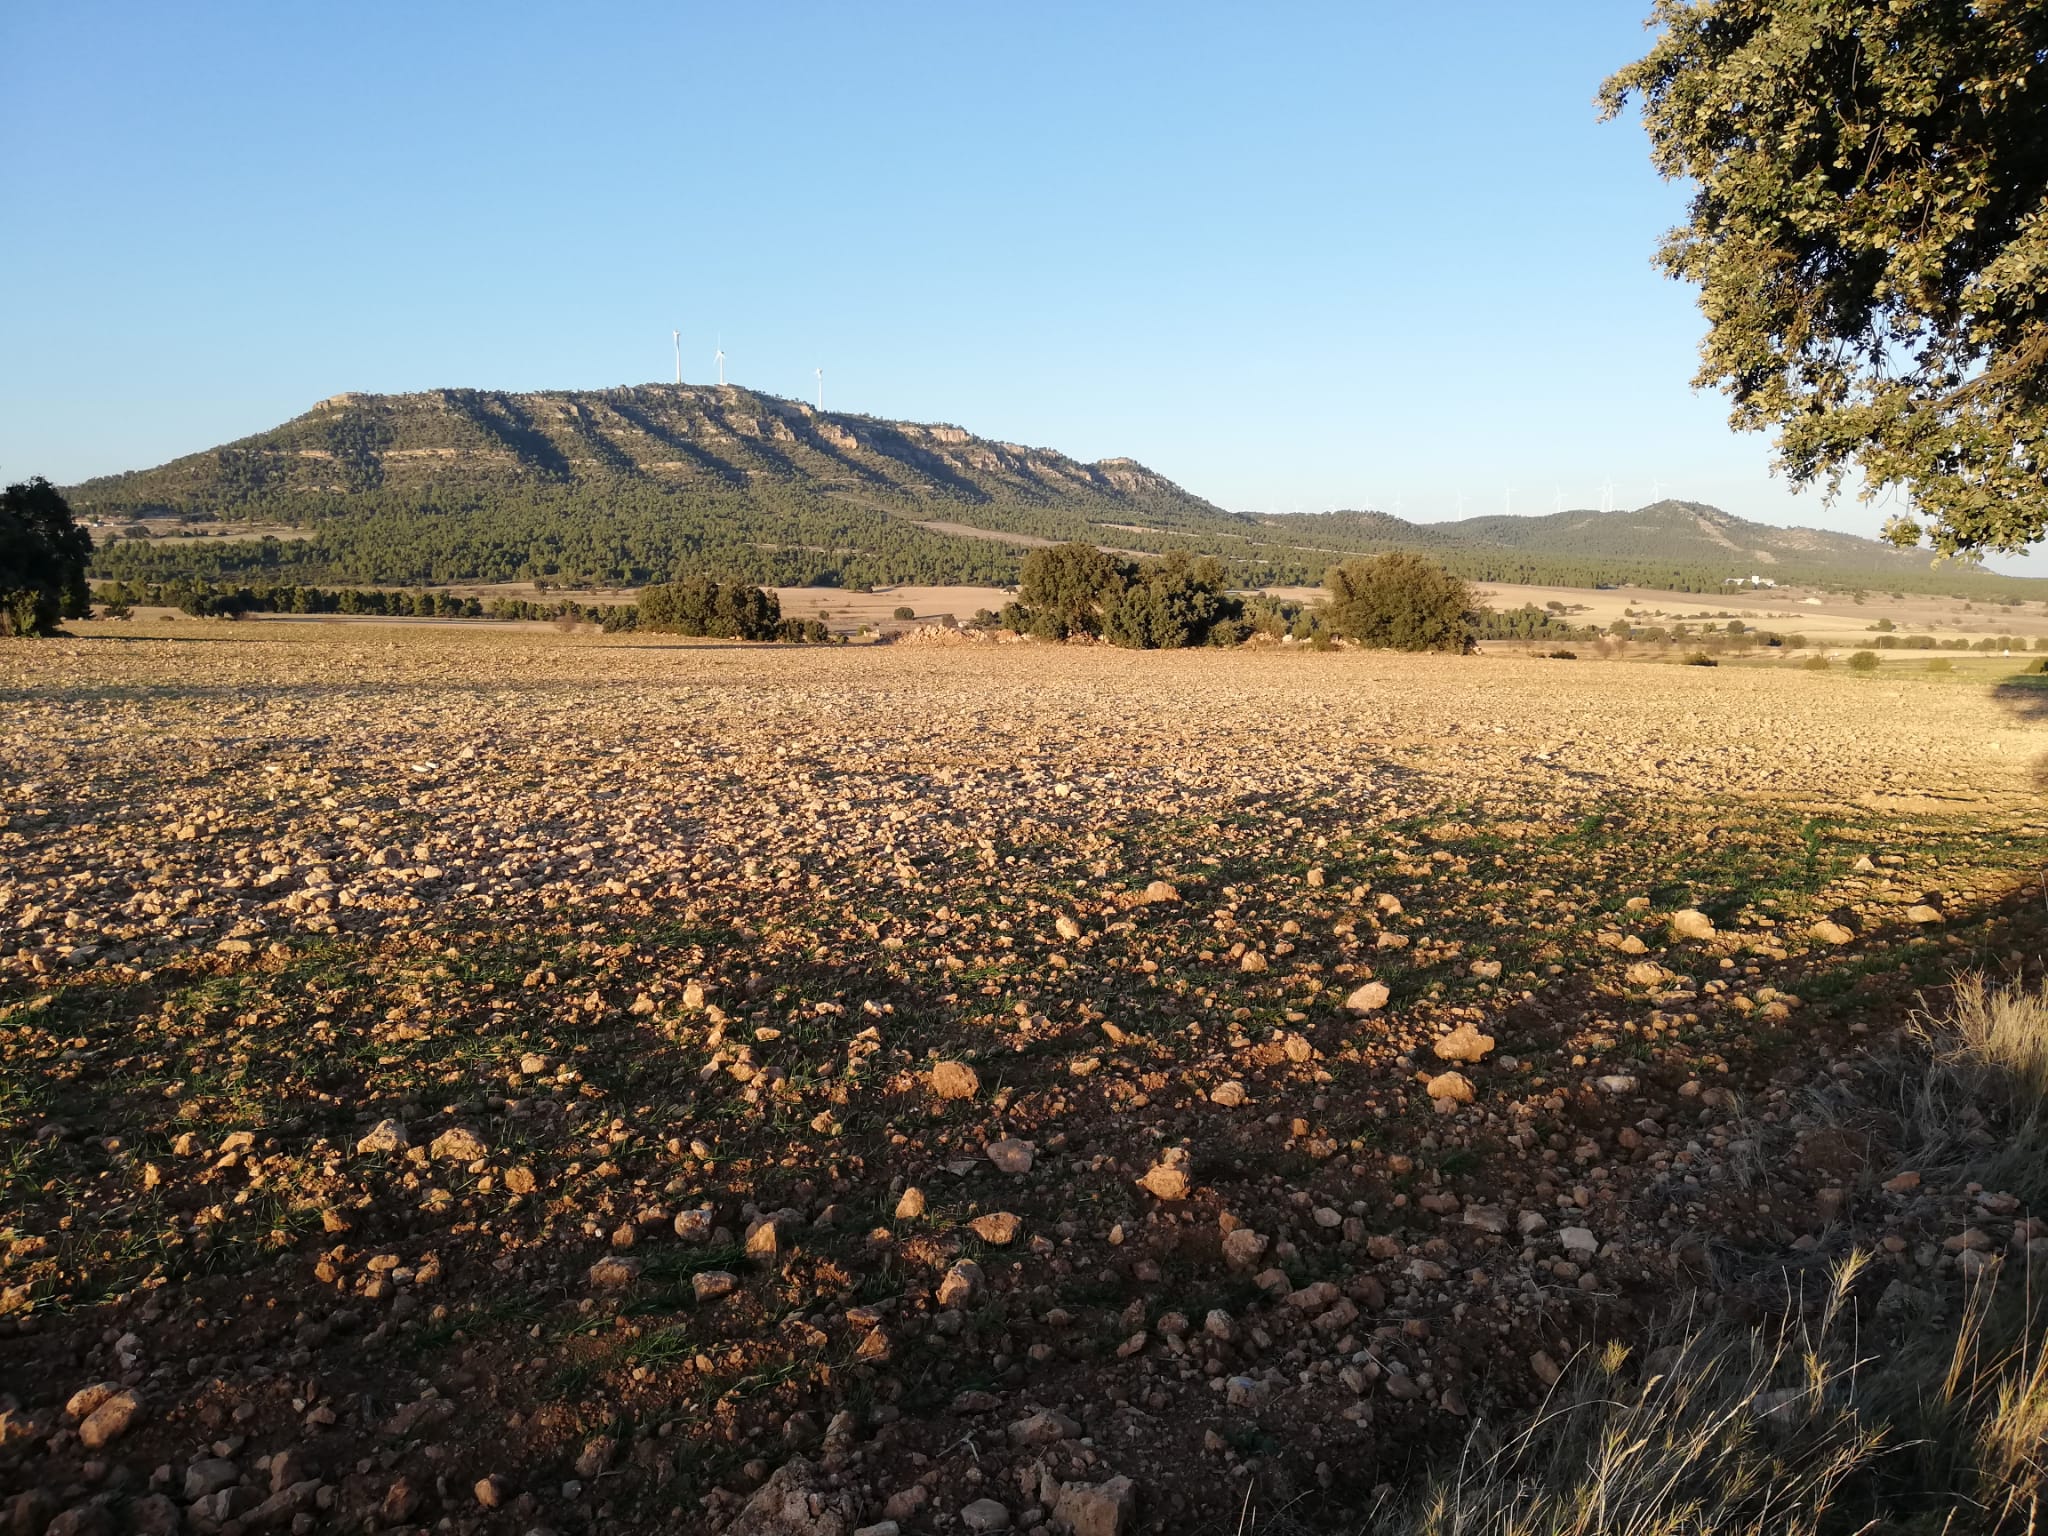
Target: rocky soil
{"points": [[533, 1082]]}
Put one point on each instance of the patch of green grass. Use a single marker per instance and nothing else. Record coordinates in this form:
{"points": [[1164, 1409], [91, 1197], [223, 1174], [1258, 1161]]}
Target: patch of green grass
{"points": [[662, 1347], [501, 1314]]}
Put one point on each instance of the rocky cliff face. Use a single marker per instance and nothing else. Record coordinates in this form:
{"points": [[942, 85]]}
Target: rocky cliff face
{"points": [[676, 436]]}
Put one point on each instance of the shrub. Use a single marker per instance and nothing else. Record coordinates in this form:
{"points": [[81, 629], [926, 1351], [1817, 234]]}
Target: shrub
{"points": [[1698, 659], [1941, 664], [1863, 661], [1804, 1422], [1170, 603], [1076, 590], [904, 611], [43, 555], [1564, 655], [728, 610], [1815, 664], [1401, 602], [1061, 590], [204, 603], [1274, 618]]}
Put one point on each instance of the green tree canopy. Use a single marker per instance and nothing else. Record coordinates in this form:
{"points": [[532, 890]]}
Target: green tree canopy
{"points": [[1077, 590], [730, 610], [1170, 603], [1870, 240], [1064, 586], [43, 556], [1401, 602]]}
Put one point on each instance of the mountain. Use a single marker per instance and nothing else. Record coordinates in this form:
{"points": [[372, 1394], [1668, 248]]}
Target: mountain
{"points": [[684, 437], [639, 483], [1686, 544], [626, 485]]}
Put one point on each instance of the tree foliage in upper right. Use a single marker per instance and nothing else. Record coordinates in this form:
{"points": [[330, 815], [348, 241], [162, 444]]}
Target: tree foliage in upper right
{"points": [[43, 556], [1869, 235]]}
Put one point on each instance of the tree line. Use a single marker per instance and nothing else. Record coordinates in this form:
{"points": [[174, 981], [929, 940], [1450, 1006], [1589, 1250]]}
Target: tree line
{"points": [[727, 610], [1076, 591], [626, 532]]}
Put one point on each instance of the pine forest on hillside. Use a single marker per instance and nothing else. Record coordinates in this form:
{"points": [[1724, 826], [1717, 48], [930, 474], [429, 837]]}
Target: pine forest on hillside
{"points": [[646, 483]]}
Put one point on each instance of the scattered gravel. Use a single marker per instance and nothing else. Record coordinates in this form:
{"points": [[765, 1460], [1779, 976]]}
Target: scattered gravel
{"points": [[545, 1083]]}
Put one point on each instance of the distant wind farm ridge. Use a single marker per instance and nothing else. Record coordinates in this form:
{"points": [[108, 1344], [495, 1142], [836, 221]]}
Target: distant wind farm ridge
{"points": [[639, 483]]}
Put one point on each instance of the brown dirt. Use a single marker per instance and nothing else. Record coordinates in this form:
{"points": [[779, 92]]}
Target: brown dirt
{"points": [[678, 926]]}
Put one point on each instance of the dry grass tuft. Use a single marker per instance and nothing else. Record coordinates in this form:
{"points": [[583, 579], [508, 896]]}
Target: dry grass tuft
{"points": [[1972, 1104], [1999, 1037], [1733, 1433], [1799, 1427]]}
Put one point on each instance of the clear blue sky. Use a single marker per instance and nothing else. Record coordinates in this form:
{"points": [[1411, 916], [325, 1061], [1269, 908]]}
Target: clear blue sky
{"points": [[1293, 256]]}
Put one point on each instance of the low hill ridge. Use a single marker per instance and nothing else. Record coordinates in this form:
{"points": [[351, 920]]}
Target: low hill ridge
{"points": [[1667, 532]]}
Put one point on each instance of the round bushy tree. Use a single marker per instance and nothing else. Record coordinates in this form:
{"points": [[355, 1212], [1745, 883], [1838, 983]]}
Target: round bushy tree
{"points": [[43, 556], [1170, 603], [1401, 602], [1063, 589], [728, 610]]}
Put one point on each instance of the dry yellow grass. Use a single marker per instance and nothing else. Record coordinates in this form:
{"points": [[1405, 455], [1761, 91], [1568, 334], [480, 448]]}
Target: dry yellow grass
{"points": [[1808, 1424]]}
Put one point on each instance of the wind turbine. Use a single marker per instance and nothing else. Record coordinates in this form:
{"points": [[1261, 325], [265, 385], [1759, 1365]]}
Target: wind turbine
{"points": [[1607, 497], [1461, 503], [820, 372], [1656, 490], [720, 358], [1557, 501], [677, 338]]}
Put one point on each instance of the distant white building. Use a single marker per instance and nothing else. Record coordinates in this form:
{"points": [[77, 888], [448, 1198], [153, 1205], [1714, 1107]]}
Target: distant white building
{"points": [[1748, 581]]}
